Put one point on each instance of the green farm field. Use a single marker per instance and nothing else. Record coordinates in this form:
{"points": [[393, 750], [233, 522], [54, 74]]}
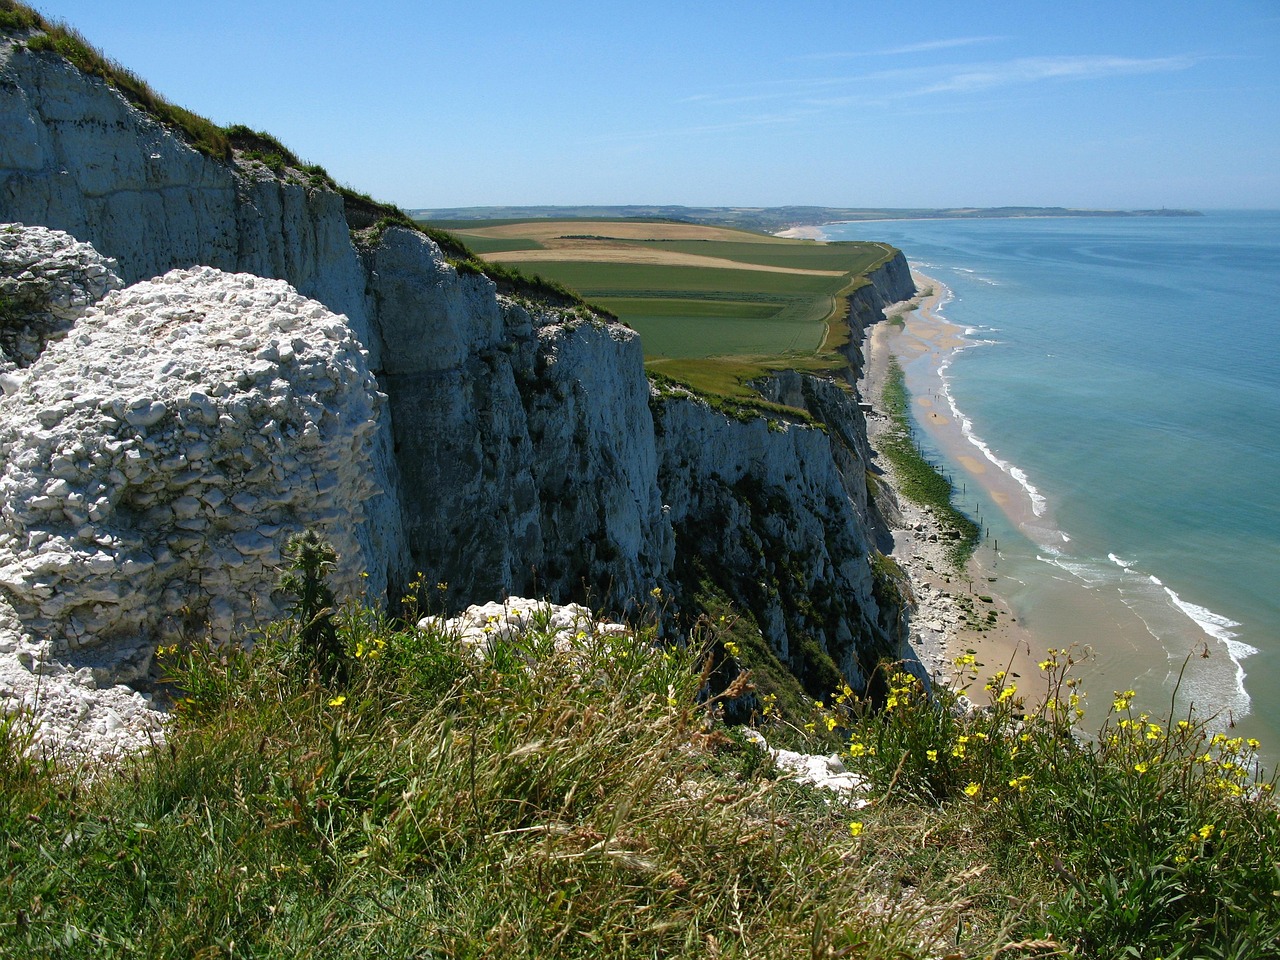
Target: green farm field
{"points": [[706, 300]]}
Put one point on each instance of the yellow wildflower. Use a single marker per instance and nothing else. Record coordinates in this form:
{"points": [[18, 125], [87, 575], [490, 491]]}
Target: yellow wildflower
{"points": [[973, 789], [855, 828], [1020, 783]]}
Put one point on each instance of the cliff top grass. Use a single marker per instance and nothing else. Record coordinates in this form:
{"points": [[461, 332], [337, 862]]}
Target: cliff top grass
{"points": [[44, 35], [543, 803], [717, 308]]}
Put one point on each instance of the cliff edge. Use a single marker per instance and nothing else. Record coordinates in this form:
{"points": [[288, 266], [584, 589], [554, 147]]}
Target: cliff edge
{"points": [[506, 446]]}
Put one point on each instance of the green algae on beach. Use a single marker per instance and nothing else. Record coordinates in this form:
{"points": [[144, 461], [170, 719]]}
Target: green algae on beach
{"points": [[918, 479]]}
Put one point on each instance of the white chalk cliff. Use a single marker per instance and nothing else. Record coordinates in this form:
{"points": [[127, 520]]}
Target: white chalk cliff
{"points": [[156, 456]]}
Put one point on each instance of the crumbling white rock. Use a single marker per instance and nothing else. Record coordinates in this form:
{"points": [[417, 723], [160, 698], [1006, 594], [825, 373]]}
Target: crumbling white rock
{"points": [[153, 465], [482, 626], [48, 279], [826, 772]]}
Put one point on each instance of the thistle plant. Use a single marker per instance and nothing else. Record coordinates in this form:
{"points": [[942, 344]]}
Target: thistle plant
{"points": [[312, 610]]}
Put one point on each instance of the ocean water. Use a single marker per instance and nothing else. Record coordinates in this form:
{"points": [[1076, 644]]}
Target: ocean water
{"points": [[1123, 378]]}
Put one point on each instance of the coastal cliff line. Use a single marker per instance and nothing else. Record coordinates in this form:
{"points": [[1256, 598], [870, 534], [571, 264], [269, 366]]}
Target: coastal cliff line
{"points": [[183, 411]]}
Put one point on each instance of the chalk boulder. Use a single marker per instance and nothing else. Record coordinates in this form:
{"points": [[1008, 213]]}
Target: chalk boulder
{"points": [[155, 461], [48, 279]]}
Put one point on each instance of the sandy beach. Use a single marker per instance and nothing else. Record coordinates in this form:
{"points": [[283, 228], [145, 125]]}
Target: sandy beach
{"points": [[958, 612], [801, 233]]}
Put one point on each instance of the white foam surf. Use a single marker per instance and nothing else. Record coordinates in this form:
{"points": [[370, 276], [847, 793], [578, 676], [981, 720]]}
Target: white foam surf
{"points": [[1039, 504], [1159, 608], [1214, 624]]}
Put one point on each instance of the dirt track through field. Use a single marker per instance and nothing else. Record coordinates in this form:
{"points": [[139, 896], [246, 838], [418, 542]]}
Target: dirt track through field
{"points": [[597, 252]]}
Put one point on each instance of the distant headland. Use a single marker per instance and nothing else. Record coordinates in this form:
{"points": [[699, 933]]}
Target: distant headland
{"points": [[774, 219]]}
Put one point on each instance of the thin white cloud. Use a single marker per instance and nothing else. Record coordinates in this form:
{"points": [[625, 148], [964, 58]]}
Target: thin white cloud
{"points": [[923, 80], [798, 99], [971, 79], [924, 46]]}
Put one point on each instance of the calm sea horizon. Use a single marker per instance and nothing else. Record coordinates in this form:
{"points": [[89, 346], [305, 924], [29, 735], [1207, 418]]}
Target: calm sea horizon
{"points": [[1126, 372]]}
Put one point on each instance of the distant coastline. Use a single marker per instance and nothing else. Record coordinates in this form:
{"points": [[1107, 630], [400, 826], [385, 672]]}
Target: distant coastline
{"points": [[776, 220]]}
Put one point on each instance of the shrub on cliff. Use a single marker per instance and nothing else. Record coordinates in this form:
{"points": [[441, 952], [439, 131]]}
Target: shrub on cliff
{"points": [[318, 646], [1152, 838]]}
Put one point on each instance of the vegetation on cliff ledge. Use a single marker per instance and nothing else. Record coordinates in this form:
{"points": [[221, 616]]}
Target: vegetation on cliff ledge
{"points": [[203, 134]]}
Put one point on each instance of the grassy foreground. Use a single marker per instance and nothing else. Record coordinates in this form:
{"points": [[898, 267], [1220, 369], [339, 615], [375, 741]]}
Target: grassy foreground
{"points": [[537, 804], [583, 803]]}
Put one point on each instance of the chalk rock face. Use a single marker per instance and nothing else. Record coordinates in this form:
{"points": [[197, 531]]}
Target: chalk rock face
{"points": [[767, 514], [523, 436], [154, 463], [48, 279]]}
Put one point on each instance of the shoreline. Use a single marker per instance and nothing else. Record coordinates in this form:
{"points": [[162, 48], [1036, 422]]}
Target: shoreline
{"points": [[1111, 644], [958, 612], [815, 231]]}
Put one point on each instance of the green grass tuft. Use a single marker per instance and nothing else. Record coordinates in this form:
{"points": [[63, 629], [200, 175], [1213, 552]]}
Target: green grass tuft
{"points": [[1149, 838], [204, 135], [544, 802], [539, 803]]}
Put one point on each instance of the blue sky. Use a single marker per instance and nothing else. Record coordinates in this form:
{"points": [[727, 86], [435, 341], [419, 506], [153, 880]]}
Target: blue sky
{"points": [[949, 103]]}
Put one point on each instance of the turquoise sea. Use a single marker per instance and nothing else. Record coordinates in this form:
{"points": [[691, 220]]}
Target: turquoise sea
{"points": [[1124, 379]]}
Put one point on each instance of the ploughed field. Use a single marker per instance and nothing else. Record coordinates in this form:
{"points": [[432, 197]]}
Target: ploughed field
{"points": [[714, 306]]}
